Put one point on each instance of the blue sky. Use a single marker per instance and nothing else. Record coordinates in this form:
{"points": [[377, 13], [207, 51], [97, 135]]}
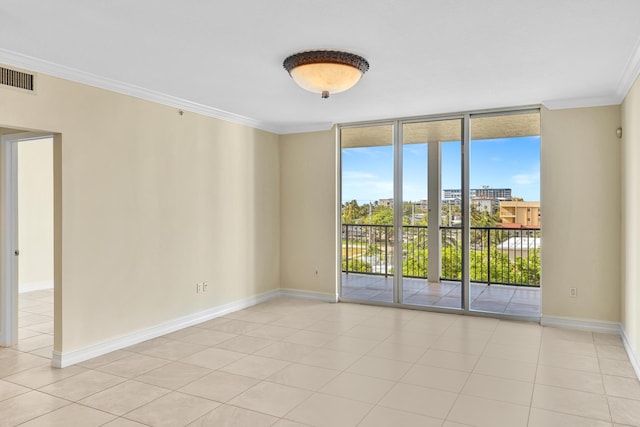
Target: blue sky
{"points": [[367, 173]]}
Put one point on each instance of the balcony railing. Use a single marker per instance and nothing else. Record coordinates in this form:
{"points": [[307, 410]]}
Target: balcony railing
{"points": [[497, 255]]}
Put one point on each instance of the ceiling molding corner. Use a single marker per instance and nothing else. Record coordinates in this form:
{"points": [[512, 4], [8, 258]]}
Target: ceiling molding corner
{"points": [[629, 74], [38, 65], [594, 101]]}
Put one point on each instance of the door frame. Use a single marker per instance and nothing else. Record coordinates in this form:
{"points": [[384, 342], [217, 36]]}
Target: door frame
{"points": [[466, 138], [9, 255]]}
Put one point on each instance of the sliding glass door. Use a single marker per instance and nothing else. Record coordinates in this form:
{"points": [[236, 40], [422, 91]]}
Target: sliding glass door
{"points": [[443, 213], [431, 238], [367, 238], [504, 201]]}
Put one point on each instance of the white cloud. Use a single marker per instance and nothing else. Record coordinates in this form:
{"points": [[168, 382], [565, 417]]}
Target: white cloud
{"points": [[365, 186], [415, 151], [526, 178], [357, 175], [384, 186]]}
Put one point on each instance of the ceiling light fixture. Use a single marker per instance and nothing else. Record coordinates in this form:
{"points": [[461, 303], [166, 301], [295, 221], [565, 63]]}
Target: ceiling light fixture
{"points": [[325, 71]]}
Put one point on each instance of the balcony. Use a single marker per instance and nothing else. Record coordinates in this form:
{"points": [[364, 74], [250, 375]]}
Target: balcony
{"points": [[504, 267]]}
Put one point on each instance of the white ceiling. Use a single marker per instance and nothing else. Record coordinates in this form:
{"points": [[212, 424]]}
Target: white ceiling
{"points": [[224, 57]]}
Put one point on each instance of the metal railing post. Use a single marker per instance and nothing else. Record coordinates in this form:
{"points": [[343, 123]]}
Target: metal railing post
{"points": [[386, 252], [346, 248], [488, 257]]}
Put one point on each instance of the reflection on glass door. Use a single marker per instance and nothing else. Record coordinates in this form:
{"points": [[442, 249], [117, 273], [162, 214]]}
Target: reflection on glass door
{"points": [[504, 202], [367, 231], [431, 237]]}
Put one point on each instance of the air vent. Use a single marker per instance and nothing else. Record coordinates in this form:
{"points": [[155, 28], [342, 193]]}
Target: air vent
{"points": [[16, 79]]}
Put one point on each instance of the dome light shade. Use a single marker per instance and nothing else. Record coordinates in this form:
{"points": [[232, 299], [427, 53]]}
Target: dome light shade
{"points": [[326, 71]]}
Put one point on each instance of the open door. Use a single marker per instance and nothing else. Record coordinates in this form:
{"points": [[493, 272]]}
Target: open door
{"points": [[8, 241]]}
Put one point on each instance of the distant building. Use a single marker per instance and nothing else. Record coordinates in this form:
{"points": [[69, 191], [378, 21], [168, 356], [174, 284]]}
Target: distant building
{"points": [[422, 204], [385, 202], [452, 194], [484, 204], [484, 193], [518, 212], [491, 193], [519, 246]]}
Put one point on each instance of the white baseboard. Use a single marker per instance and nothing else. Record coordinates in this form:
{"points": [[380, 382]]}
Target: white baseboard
{"points": [[317, 296], [605, 327], [62, 360], [583, 324], [633, 357], [35, 286]]}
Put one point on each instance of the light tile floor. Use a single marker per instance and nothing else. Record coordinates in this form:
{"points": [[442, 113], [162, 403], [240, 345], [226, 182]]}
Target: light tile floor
{"points": [[504, 299], [35, 323], [291, 362]]}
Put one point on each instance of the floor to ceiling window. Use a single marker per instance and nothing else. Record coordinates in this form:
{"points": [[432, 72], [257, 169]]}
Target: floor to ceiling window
{"points": [[367, 213], [504, 203], [431, 152], [424, 224]]}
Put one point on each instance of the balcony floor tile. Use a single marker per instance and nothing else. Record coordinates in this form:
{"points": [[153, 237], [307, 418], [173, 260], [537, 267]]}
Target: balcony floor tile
{"points": [[503, 299]]}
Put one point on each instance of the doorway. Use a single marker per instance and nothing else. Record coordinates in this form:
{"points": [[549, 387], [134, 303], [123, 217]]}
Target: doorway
{"points": [[27, 243], [429, 213]]}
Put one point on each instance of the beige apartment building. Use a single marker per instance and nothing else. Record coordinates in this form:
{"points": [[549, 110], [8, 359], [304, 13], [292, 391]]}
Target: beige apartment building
{"points": [[520, 212]]}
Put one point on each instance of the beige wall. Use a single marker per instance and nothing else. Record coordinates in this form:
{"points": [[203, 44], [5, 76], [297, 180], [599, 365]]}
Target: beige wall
{"points": [[630, 217], [580, 192], [308, 214], [148, 203], [35, 213]]}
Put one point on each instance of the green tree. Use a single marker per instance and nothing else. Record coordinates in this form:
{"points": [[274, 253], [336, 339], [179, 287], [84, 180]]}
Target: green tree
{"points": [[352, 212], [501, 266], [522, 270], [382, 215], [412, 210], [482, 218], [527, 269], [356, 266], [416, 263], [448, 213], [452, 262], [373, 249]]}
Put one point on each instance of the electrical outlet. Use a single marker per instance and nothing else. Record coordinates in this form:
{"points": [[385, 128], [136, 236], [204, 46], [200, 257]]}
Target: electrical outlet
{"points": [[197, 288], [317, 272], [204, 286], [573, 292]]}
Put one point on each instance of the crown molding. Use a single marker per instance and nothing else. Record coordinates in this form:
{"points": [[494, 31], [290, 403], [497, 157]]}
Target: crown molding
{"points": [[305, 128], [594, 101], [56, 70], [629, 74], [628, 77]]}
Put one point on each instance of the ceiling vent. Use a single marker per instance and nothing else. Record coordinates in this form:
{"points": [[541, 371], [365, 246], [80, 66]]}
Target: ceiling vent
{"points": [[17, 79]]}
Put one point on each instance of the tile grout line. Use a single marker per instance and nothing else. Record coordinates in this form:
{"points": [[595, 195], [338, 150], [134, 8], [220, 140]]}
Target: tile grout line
{"points": [[535, 378]]}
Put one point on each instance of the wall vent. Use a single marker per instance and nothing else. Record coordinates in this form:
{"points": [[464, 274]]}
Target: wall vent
{"points": [[17, 79]]}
